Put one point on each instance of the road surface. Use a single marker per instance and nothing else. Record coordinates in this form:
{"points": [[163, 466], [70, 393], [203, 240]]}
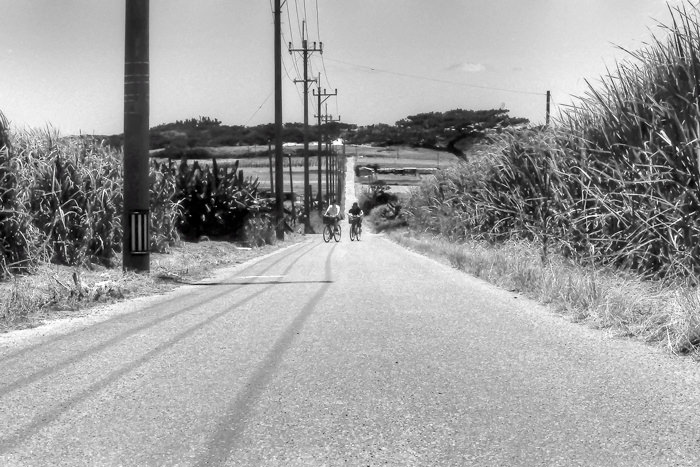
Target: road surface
{"points": [[341, 354]]}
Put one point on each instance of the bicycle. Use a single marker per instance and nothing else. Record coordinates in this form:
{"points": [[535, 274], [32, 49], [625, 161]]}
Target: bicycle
{"points": [[355, 227], [331, 229]]}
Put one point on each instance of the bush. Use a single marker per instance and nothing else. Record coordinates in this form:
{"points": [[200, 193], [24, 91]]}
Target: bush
{"points": [[387, 217], [377, 194], [218, 201]]}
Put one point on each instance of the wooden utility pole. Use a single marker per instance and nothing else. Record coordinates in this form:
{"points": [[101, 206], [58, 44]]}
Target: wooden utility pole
{"points": [[322, 96], [305, 51], [279, 162], [549, 99], [136, 215]]}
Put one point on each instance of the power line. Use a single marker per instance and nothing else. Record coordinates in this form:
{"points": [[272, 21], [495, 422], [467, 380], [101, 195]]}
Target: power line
{"points": [[291, 39], [305, 16], [289, 24], [261, 106], [296, 7], [294, 62], [444, 81], [286, 72], [318, 27], [318, 33], [325, 73], [284, 65]]}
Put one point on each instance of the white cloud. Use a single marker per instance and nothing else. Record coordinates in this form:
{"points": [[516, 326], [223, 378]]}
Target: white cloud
{"points": [[468, 67]]}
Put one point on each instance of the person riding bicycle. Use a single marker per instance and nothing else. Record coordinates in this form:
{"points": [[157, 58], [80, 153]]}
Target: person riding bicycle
{"points": [[333, 210], [356, 213]]}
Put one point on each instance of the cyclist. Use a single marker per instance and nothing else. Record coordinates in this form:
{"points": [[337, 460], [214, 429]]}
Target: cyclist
{"points": [[357, 213], [333, 210]]}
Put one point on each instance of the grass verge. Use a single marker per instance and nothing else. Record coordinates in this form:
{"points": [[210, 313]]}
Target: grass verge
{"points": [[54, 292], [667, 315]]}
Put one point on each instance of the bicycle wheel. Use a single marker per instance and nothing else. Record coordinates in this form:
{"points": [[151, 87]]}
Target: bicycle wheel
{"points": [[358, 232], [327, 234], [336, 233], [352, 233]]}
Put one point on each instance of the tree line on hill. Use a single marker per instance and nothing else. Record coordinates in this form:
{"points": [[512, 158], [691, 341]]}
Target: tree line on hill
{"points": [[450, 131]]}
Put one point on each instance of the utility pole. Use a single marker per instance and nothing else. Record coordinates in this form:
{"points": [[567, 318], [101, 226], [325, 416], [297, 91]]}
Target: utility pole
{"points": [[269, 157], [549, 99], [330, 161], [305, 51], [291, 188], [322, 97], [136, 215], [279, 161]]}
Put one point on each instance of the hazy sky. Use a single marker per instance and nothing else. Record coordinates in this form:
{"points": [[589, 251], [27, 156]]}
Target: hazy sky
{"points": [[62, 61]]}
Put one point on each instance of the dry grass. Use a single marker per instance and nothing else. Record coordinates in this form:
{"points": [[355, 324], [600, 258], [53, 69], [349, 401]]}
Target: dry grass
{"points": [[61, 291], [664, 314]]}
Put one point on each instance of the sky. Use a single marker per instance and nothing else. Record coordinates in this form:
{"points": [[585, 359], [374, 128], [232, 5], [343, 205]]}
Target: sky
{"points": [[62, 61]]}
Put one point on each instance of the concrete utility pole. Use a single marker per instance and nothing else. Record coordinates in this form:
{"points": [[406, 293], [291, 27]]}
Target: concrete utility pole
{"points": [[322, 97], [279, 161], [330, 158], [549, 99], [136, 215], [291, 187], [305, 51], [269, 156]]}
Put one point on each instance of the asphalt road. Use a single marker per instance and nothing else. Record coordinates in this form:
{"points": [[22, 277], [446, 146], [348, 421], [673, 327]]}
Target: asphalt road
{"points": [[342, 354]]}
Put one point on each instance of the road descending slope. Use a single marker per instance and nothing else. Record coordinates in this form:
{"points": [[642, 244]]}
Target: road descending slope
{"points": [[355, 353]]}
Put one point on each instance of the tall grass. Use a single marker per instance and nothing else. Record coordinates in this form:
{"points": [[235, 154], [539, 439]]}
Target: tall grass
{"points": [[636, 138], [62, 202], [17, 233], [615, 182], [72, 188]]}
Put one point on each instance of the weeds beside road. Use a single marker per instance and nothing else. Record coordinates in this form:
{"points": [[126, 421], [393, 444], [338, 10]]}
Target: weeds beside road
{"points": [[661, 314], [61, 291]]}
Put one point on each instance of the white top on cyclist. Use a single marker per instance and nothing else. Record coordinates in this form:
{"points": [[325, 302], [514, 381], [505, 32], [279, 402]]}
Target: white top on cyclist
{"points": [[333, 210]]}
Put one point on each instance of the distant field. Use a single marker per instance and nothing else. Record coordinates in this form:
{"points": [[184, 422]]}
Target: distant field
{"points": [[389, 157], [400, 157], [259, 167]]}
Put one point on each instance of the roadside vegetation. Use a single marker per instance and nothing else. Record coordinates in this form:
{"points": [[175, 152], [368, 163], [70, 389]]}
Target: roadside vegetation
{"points": [[60, 217], [58, 291], [598, 213], [381, 207]]}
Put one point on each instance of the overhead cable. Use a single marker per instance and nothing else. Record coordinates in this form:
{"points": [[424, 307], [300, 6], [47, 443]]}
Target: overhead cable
{"points": [[436, 80]]}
